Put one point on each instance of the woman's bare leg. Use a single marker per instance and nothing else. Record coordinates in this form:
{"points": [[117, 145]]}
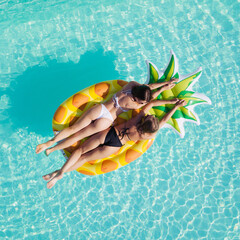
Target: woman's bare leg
{"points": [[103, 151], [81, 123], [50, 175], [92, 143], [95, 127]]}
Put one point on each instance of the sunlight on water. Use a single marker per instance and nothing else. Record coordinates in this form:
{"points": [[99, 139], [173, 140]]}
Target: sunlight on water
{"points": [[181, 188]]}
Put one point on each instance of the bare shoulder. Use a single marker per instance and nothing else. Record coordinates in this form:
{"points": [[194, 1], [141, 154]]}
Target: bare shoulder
{"points": [[132, 84], [147, 136], [147, 107]]}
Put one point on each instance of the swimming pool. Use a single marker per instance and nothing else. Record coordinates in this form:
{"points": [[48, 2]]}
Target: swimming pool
{"points": [[181, 188]]}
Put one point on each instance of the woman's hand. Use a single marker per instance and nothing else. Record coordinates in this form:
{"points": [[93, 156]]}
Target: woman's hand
{"points": [[174, 80], [181, 103]]}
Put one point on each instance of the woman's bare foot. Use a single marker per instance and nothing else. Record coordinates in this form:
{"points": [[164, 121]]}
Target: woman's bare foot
{"points": [[53, 181], [48, 151], [43, 146], [50, 175]]}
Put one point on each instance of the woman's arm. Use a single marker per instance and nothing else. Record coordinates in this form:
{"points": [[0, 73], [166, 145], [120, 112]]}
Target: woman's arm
{"points": [[164, 86], [180, 103], [158, 85], [155, 103]]}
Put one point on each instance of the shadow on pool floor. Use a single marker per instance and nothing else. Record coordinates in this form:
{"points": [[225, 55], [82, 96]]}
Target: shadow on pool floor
{"points": [[37, 93]]}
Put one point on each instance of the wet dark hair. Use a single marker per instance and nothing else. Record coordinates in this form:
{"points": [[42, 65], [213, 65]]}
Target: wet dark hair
{"points": [[150, 125], [142, 92]]}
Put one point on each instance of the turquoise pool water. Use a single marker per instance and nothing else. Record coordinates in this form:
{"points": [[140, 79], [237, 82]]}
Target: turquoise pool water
{"points": [[181, 188]]}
